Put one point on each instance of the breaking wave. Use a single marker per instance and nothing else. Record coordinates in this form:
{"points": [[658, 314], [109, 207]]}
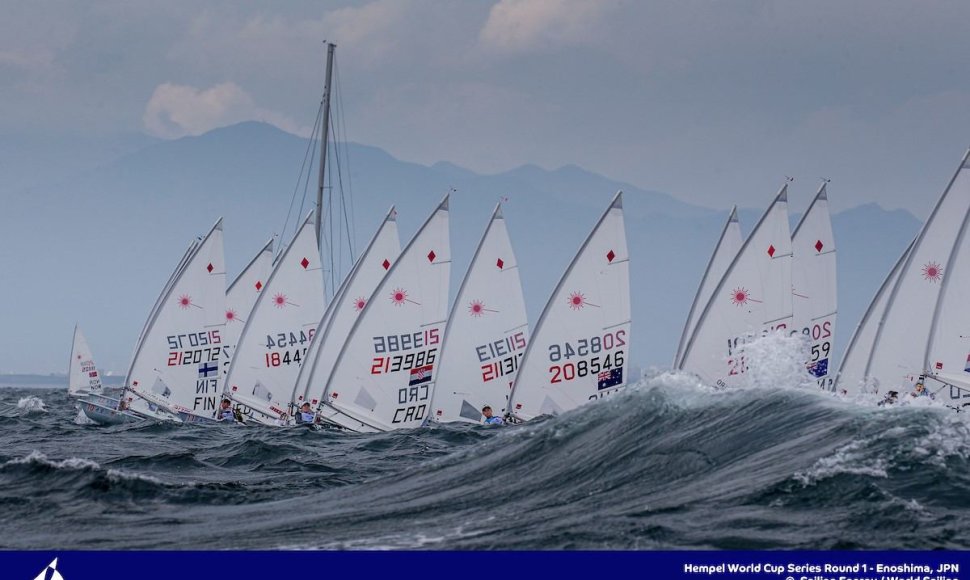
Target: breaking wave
{"points": [[668, 463]]}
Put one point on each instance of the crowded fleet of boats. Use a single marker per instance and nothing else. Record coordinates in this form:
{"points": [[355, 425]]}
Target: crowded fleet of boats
{"points": [[388, 353]]}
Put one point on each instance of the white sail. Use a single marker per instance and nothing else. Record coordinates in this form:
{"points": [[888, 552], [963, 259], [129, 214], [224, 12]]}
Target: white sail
{"points": [[241, 297], [580, 345], [486, 335], [948, 352], [349, 301], [752, 298], [176, 363], [189, 252], [83, 376], [901, 347], [814, 288], [851, 377], [382, 376], [275, 338], [727, 248]]}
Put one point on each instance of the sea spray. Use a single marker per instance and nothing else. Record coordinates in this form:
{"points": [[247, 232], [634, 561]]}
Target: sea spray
{"points": [[777, 360], [31, 405]]}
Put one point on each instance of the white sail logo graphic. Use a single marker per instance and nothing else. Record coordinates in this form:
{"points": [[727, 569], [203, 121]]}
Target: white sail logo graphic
{"points": [[50, 572]]}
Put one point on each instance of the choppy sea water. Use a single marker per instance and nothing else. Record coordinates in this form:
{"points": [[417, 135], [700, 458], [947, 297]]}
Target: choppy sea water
{"points": [[668, 464]]}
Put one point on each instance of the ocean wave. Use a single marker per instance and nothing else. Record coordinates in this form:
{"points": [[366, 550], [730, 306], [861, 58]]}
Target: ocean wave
{"points": [[666, 463], [31, 405]]}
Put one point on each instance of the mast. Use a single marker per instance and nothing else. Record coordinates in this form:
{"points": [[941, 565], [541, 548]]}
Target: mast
{"points": [[324, 135]]}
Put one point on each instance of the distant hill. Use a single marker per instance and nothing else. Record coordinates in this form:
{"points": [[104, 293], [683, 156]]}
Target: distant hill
{"points": [[96, 248]]}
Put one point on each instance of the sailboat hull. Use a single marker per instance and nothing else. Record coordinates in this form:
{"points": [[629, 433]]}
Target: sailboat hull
{"points": [[106, 415], [103, 400], [333, 418], [195, 419]]}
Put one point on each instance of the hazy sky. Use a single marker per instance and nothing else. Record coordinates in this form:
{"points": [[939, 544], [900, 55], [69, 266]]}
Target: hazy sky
{"points": [[714, 102]]}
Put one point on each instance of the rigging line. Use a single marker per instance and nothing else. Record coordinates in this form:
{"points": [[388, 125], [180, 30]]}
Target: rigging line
{"points": [[349, 221], [343, 209], [306, 185], [330, 221], [296, 188]]}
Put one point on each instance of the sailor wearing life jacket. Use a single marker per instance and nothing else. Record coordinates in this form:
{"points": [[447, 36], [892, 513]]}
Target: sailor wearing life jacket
{"points": [[305, 415], [225, 412]]}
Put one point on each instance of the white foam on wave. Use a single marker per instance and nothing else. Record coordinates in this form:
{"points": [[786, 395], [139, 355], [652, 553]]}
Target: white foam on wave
{"points": [[38, 458], [933, 439], [777, 361], [117, 475], [82, 419], [852, 459], [31, 405], [81, 464]]}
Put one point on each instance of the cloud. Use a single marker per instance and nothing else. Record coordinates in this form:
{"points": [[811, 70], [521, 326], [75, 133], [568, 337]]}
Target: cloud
{"points": [[525, 25], [27, 60], [179, 110]]}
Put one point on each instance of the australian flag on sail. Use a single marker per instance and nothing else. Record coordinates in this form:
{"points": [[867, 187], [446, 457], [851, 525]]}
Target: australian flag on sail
{"points": [[421, 375], [819, 369], [610, 378], [207, 370]]}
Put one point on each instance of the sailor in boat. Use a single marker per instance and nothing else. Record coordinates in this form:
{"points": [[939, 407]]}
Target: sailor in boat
{"points": [[227, 413], [489, 418], [920, 390], [305, 416], [890, 398]]}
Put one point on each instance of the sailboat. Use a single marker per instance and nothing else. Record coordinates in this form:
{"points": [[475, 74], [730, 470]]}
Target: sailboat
{"points": [[814, 288], [486, 335], [851, 377], [724, 252], [383, 376], [752, 299], [175, 368], [580, 345], [921, 335], [83, 377], [241, 297], [278, 332], [108, 410], [348, 303]]}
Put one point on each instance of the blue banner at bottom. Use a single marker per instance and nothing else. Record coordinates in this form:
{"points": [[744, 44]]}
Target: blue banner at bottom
{"points": [[69, 565]]}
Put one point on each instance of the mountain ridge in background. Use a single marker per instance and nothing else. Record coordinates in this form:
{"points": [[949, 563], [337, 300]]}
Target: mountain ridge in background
{"points": [[96, 247]]}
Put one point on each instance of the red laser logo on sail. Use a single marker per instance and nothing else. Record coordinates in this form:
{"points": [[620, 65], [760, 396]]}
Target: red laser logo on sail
{"points": [[185, 301], [740, 296], [279, 300], [577, 300], [476, 308], [933, 272], [399, 296], [230, 315], [359, 303]]}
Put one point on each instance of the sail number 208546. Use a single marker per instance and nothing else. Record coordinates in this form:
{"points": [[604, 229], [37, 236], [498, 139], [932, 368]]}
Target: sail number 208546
{"points": [[596, 354]]}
